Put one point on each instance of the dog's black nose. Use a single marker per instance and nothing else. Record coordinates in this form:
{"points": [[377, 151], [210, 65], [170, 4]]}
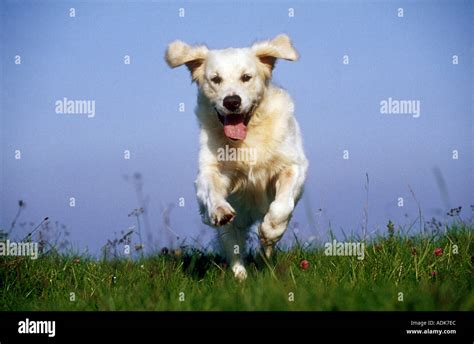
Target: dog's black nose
{"points": [[232, 103]]}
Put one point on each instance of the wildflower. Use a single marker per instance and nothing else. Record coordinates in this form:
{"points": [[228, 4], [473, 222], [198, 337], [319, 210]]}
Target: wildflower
{"points": [[454, 211], [390, 228], [438, 251], [178, 252], [434, 274], [136, 212], [304, 264]]}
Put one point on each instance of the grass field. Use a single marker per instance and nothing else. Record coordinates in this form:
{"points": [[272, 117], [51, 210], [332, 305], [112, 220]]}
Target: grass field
{"points": [[399, 272]]}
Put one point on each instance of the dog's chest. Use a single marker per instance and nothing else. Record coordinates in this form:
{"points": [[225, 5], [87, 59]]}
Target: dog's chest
{"points": [[255, 170]]}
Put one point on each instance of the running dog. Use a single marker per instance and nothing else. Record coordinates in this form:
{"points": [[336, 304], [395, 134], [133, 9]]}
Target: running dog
{"points": [[241, 113]]}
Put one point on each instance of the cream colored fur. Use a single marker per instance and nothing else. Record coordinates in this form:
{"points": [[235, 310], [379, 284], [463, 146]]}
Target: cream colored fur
{"points": [[234, 195]]}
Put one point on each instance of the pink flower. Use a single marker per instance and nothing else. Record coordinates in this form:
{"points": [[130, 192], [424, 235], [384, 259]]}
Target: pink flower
{"points": [[434, 274], [438, 251]]}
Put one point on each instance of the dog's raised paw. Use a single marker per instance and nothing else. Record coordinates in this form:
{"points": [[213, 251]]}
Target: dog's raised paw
{"points": [[223, 215]]}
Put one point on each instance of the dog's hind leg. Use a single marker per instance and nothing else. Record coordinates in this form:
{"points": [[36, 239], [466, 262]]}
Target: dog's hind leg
{"points": [[232, 240]]}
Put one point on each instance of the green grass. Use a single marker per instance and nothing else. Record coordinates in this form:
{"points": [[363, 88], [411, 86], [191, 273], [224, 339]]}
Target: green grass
{"points": [[330, 283]]}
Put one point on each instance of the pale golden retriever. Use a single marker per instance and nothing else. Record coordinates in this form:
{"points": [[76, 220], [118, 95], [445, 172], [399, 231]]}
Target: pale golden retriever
{"points": [[251, 163]]}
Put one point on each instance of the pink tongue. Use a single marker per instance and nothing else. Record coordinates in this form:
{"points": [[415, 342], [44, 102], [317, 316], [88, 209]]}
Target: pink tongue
{"points": [[234, 127]]}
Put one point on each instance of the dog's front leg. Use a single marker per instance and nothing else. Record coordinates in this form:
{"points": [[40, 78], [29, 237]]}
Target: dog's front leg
{"points": [[288, 188], [212, 189]]}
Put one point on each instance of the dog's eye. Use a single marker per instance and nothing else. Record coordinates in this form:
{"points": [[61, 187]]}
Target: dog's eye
{"points": [[246, 77], [217, 79]]}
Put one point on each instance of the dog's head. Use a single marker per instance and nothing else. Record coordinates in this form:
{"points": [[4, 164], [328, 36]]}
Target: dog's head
{"points": [[233, 80]]}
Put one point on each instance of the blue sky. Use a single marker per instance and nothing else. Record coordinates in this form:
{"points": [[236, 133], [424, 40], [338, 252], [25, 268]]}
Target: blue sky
{"points": [[337, 106]]}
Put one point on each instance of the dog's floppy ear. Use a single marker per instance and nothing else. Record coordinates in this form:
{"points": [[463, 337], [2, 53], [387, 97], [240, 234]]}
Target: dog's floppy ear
{"points": [[179, 53], [278, 48]]}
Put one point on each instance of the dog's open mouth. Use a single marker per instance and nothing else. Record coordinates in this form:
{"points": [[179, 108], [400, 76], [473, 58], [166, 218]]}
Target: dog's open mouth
{"points": [[235, 125]]}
